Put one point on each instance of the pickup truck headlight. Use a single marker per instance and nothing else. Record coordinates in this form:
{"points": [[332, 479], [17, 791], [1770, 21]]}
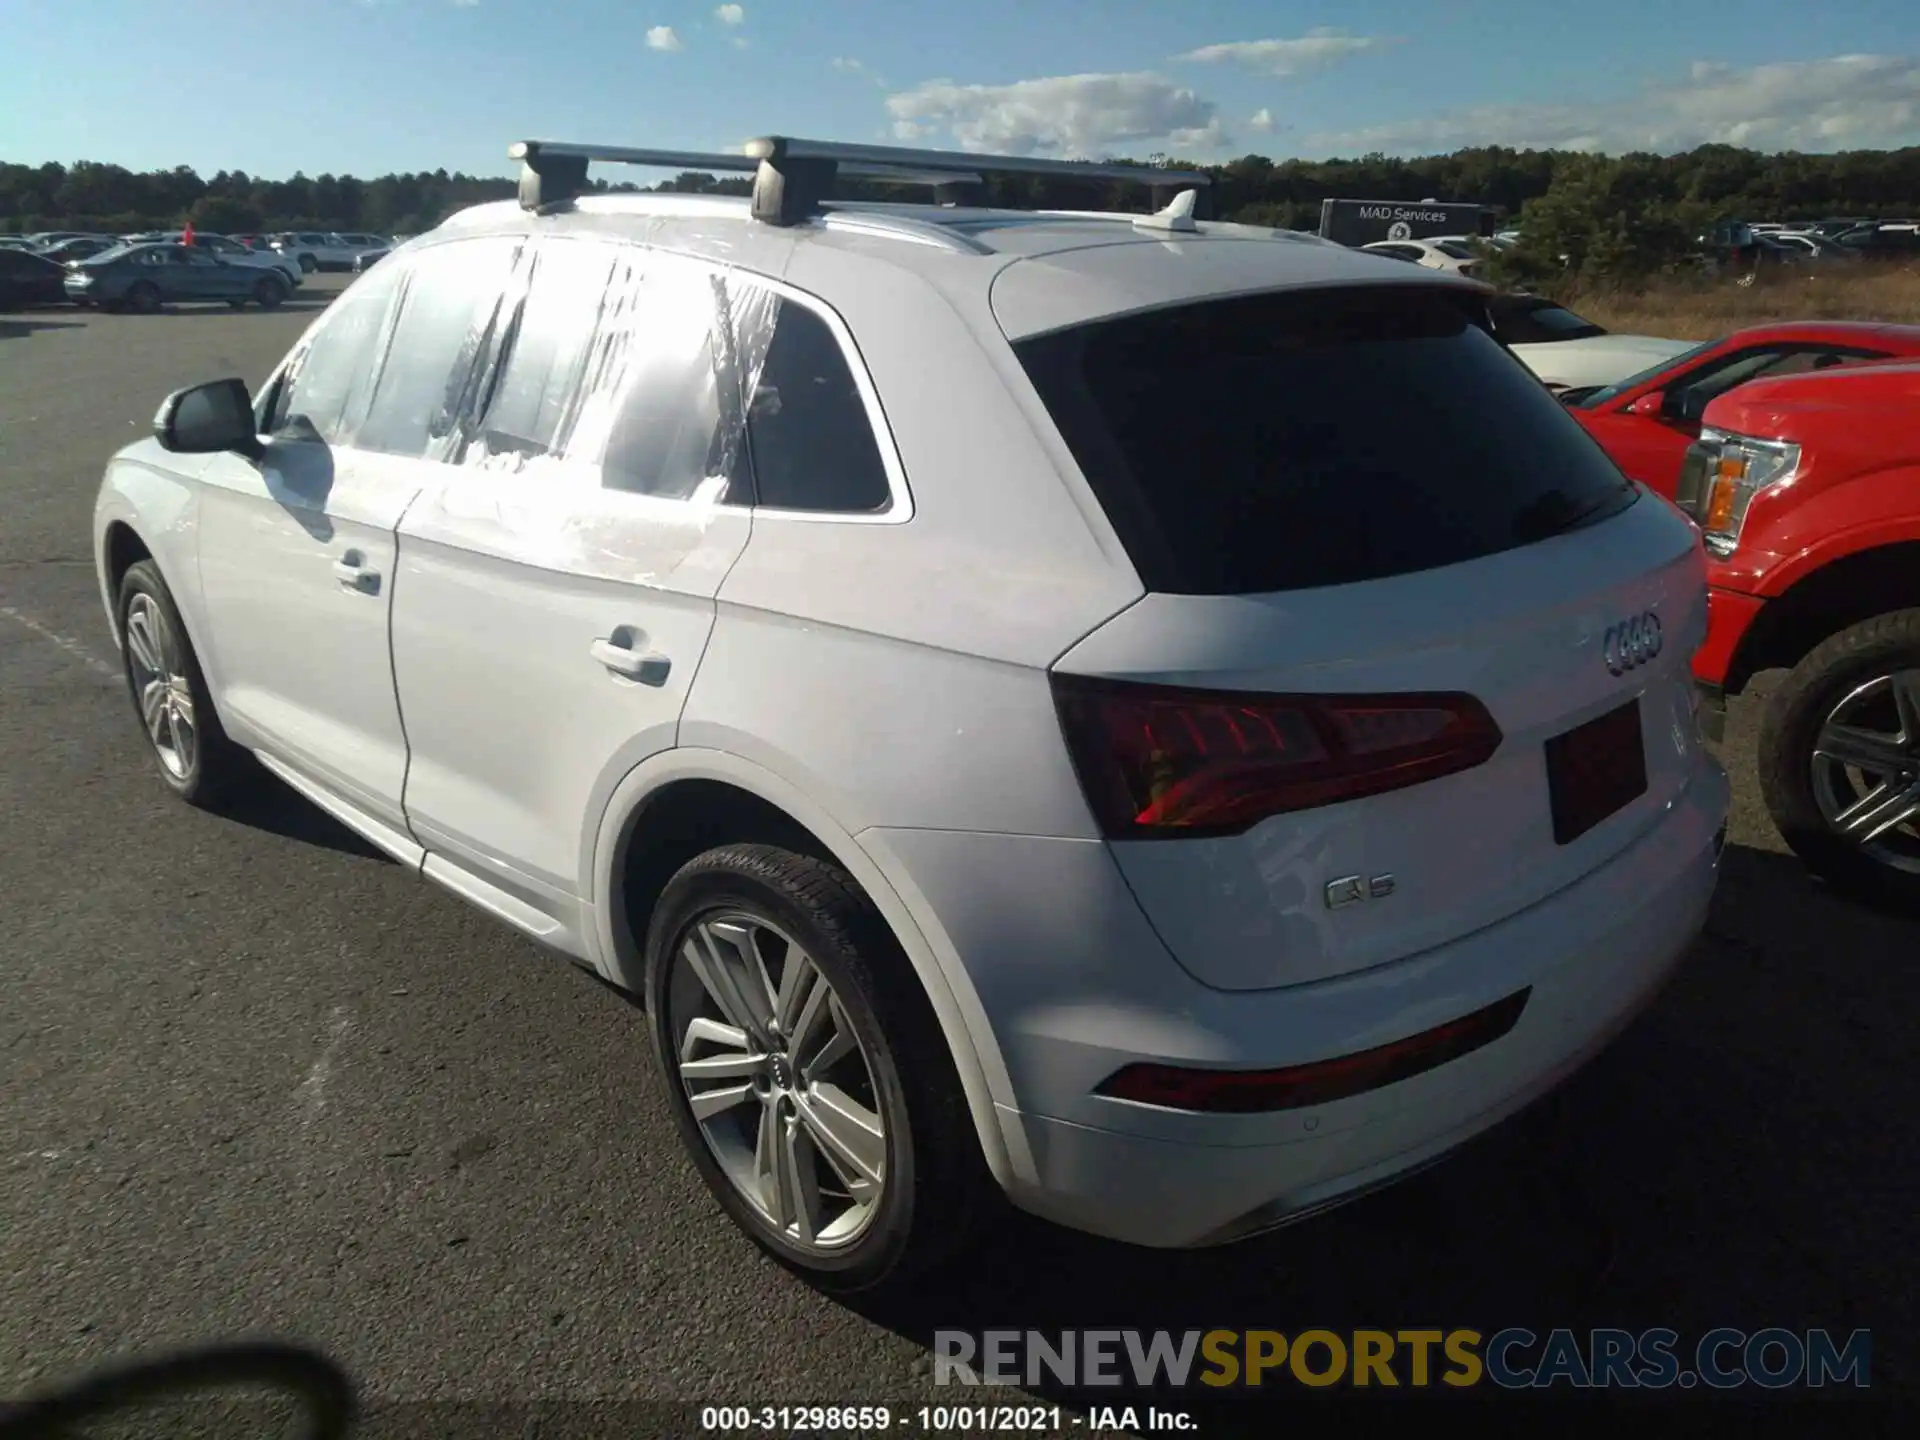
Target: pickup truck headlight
{"points": [[1738, 467], [80, 277]]}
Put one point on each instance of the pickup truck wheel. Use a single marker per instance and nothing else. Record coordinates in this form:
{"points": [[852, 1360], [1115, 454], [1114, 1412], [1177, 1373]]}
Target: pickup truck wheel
{"points": [[809, 1079], [1840, 760], [269, 293]]}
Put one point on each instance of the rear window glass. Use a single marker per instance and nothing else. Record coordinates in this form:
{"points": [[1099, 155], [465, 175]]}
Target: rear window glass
{"points": [[1310, 438], [1537, 322]]}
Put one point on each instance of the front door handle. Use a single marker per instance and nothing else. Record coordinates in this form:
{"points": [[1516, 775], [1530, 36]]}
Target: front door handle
{"points": [[351, 571], [624, 653]]}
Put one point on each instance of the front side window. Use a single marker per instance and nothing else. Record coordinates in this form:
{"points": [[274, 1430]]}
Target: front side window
{"points": [[539, 383], [1674, 366], [451, 296], [1691, 398], [620, 373], [1301, 439], [323, 392]]}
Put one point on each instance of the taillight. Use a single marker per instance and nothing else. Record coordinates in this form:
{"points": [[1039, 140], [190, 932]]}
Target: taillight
{"points": [[1160, 762]]}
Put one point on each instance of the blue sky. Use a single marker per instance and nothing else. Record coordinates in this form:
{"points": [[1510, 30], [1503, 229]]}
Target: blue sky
{"points": [[367, 86]]}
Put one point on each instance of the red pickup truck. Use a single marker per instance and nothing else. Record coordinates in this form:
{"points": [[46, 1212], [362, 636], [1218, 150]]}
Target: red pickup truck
{"points": [[1806, 489]]}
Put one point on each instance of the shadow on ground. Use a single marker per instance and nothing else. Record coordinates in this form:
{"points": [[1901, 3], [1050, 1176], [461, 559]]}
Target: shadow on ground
{"points": [[277, 809], [17, 325], [1681, 1180]]}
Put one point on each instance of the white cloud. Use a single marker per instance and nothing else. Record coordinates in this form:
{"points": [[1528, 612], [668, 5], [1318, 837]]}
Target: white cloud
{"points": [[1261, 121], [661, 37], [848, 64], [1843, 102], [730, 14], [1312, 51], [740, 42], [1071, 115]]}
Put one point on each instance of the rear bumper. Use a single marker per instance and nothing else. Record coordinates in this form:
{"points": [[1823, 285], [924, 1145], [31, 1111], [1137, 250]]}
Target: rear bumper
{"points": [[1089, 992]]}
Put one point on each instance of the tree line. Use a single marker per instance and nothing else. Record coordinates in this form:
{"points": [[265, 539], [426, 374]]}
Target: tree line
{"points": [[1609, 216]]}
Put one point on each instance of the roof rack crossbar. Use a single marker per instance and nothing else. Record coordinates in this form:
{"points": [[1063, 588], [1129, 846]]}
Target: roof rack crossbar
{"points": [[782, 147], [792, 177], [557, 170]]}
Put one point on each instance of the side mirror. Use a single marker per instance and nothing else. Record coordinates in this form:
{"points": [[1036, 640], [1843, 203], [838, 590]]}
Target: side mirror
{"points": [[1653, 404], [208, 419]]}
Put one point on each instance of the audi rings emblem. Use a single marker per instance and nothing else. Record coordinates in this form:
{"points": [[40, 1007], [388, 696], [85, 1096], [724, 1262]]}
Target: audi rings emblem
{"points": [[1632, 643]]}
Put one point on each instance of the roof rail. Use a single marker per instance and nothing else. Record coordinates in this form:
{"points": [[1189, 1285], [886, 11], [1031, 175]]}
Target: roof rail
{"points": [[792, 176]]}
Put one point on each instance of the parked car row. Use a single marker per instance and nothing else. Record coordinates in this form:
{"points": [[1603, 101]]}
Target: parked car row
{"points": [[36, 269], [1845, 237], [145, 271], [142, 278]]}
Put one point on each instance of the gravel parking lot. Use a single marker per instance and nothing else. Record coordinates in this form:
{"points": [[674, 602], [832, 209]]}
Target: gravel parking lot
{"points": [[260, 1079]]}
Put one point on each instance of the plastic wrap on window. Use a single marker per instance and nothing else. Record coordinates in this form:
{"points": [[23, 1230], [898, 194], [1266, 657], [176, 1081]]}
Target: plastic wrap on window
{"points": [[625, 421], [746, 314]]}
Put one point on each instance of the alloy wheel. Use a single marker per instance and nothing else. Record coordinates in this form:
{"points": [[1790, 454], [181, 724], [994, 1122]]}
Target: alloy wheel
{"points": [[160, 688], [1866, 769], [779, 1084]]}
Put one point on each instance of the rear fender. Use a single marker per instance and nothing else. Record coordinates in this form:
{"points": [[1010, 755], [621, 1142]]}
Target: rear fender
{"points": [[956, 1005]]}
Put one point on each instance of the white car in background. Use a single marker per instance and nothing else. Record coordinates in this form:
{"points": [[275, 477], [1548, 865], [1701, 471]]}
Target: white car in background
{"points": [[1568, 351], [1453, 254], [326, 249]]}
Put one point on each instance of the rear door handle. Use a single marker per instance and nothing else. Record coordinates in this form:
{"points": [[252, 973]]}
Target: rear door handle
{"points": [[628, 659], [351, 571]]}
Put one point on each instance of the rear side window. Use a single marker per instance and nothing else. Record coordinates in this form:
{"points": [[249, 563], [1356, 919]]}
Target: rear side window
{"points": [[450, 300], [811, 442], [1311, 438]]}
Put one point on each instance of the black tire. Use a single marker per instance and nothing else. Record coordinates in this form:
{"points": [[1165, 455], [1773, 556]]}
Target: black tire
{"points": [[308, 265], [269, 292], [1835, 669], [218, 768], [935, 1178], [143, 298]]}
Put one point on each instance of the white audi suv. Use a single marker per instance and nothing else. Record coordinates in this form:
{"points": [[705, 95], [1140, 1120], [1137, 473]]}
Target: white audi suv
{"points": [[1165, 718]]}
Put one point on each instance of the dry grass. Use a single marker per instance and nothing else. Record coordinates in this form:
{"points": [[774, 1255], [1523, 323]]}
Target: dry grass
{"points": [[1704, 310]]}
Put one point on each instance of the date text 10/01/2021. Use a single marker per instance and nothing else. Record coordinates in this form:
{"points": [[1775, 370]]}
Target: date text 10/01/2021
{"points": [[939, 1419]]}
